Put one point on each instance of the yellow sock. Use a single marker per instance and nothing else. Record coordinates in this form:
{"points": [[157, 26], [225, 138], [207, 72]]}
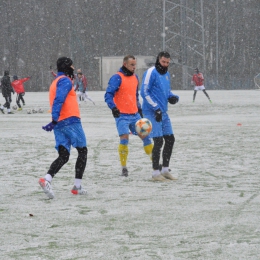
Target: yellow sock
{"points": [[123, 153], [148, 150]]}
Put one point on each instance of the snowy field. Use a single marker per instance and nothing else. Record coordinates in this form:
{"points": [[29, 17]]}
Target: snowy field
{"points": [[211, 212]]}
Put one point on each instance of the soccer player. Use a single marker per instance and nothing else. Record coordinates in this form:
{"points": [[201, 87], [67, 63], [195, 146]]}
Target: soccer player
{"points": [[198, 82], [80, 86], [67, 127], [156, 93], [122, 98], [18, 87], [7, 90]]}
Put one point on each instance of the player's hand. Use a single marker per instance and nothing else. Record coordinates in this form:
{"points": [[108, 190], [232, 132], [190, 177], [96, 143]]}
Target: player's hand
{"points": [[140, 111], [158, 115], [49, 127], [115, 112], [173, 99]]}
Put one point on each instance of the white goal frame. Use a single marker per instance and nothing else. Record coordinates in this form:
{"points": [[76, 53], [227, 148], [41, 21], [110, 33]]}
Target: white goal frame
{"points": [[257, 80]]}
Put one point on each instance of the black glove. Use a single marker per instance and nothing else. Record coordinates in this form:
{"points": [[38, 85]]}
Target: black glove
{"points": [[140, 111], [173, 100], [115, 112], [158, 115]]}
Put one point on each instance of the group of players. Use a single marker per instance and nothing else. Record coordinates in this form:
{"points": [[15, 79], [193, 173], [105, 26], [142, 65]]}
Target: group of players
{"points": [[122, 97], [8, 88]]}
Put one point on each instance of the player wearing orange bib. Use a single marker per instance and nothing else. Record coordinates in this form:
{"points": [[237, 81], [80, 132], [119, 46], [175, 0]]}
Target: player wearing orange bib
{"points": [[67, 128], [122, 98]]}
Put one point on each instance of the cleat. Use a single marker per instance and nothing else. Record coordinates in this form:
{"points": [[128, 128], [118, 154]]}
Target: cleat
{"points": [[210, 101], [159, 178], [19, 109], [10, 112], [2, 110], [124, 172], [160, 168], [78, 191], [46, 186], [24, 104], [168, 176]]}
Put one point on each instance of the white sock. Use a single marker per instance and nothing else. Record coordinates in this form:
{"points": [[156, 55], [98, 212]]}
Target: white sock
{"points": [[156, 173], [2, 107], [77, 183], [165, 169], [8, 110], [48, 178]]}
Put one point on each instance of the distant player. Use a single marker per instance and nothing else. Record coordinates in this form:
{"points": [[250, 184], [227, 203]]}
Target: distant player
{"points": [[18, 87], [198, 83], [7, 90]]}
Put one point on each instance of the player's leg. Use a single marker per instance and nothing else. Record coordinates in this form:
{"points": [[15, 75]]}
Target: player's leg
{"points": [[194, 95], [204, 91], [2, 108], [57, 164], [156, 153], [167, 152], [122, 124], [78, 93], [8, 104], [79, 170], [62, 145], [22, 99], [169, 140], [156, 134], [45, 182], [89, 98], [77, 138], [18, 97], [123, 153]]}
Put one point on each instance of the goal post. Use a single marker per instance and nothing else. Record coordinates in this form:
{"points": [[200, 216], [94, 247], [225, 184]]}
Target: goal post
{"points": [[257, 80]]}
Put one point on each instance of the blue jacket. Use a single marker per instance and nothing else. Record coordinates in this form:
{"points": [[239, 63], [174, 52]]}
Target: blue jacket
{"points": [[64, 86], [113, 86], [155, 90]]}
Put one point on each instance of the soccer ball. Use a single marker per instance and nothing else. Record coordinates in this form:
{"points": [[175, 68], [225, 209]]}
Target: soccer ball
{"points": [[34, 111], [143, 127], [40, 110], [14, 107], [29, 111]]}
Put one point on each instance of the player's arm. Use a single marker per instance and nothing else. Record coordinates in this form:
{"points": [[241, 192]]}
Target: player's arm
{"points": [[85, 82], [113, 86], [139, 106], [202, 78], [64, 86], [147, 85], [193, 82], [24, 79]]}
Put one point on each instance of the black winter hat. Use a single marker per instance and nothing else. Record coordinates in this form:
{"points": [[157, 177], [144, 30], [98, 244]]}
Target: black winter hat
{"points": [[6, 73], [63, 64], [15, 77]]}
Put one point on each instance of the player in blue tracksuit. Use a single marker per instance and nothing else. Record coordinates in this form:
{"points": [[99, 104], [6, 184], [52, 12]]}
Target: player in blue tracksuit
{"points": [[156, 93]]}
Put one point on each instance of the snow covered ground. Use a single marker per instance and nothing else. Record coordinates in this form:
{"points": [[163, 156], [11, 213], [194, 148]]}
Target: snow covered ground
{"points": [[211, 212]]}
